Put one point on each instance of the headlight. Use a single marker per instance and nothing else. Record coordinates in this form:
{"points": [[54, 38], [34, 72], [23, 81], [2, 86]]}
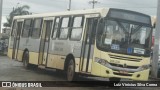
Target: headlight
{"points": [[144, 67], [101, 61]]}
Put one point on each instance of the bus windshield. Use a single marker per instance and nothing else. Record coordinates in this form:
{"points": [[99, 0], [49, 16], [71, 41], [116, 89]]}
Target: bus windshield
{"points": [[124, 37]]}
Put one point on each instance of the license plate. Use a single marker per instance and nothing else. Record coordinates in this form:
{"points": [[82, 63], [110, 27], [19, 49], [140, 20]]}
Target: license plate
{"points": [[123, 72]]}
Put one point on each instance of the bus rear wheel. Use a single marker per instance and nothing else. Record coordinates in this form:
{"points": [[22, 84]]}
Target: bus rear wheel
{"points": [[26, 60], [70, 70]]}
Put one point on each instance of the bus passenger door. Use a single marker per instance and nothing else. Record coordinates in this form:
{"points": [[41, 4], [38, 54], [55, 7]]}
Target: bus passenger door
{"points": [[88, 45], [17, 39], [44, 44]]}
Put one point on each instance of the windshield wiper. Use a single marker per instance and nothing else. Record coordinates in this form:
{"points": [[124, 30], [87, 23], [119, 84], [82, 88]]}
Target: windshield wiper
{"points": [[124, 29], [135, 30]]}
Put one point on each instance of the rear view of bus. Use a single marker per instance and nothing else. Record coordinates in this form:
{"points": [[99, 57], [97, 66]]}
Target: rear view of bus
{"points": [[123, 46]]}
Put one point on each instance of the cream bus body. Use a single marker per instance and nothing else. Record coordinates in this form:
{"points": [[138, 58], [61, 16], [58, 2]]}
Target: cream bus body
{"points": [[57, 40]]}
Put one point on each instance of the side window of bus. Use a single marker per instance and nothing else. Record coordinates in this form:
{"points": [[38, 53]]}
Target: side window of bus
{"points": [[36, 28], [14, 31], [48, 28], [64, 29], [55, 29], [76, 31], [26, 28]]}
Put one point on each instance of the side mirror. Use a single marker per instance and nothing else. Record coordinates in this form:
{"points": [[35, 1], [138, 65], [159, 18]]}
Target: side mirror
{"points": [[154, 25]]}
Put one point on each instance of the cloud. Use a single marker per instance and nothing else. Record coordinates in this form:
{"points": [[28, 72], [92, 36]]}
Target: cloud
{"points": [[41, 6]]}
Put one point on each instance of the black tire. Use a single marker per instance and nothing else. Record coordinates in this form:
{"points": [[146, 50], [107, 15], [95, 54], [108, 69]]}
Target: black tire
{"points": [[70, 74], [26, 60], [113, 79]]}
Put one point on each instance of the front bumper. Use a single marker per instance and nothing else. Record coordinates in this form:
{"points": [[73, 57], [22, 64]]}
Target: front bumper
{"points": [[133, 74]]}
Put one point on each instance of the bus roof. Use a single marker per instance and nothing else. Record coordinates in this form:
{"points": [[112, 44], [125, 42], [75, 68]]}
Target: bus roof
{"points": [[102, 11]]}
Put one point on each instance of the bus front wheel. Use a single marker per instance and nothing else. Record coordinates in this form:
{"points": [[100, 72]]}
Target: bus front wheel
{"points": [[26, 60], [114, 79], [71, 70]]}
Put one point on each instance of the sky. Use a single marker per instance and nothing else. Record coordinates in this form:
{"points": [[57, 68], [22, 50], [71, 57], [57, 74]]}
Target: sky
{"points": [[44, 6]]}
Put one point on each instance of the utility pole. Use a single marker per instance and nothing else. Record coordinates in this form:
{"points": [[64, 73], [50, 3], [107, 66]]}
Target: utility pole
{"points": [[93, 3], [156, 45], [1, 3], [69, 6]]}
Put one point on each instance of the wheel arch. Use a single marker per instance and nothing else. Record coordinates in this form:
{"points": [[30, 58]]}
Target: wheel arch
{"points": [[25, 50], [68, 57]]}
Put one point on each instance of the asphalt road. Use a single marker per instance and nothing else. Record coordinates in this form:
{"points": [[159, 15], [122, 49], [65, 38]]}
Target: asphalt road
{"points": [[11, 70]]}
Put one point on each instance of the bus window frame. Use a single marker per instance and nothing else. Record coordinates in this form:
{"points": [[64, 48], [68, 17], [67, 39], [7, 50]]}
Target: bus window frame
{"points": [[14, 22], [71, 28], [31, 23], [126, 22], [32, 27], [52, 23], [53, 29]]}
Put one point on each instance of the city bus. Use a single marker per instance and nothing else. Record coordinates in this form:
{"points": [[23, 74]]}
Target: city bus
{"points": [[104, 42]]}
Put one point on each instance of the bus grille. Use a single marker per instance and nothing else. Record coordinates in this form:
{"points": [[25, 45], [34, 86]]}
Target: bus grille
{"points": [[129, 67], [121, 74], [124, 58]]}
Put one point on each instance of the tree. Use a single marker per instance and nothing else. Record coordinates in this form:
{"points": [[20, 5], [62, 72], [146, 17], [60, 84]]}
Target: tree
{"points": [[23, 10]]}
